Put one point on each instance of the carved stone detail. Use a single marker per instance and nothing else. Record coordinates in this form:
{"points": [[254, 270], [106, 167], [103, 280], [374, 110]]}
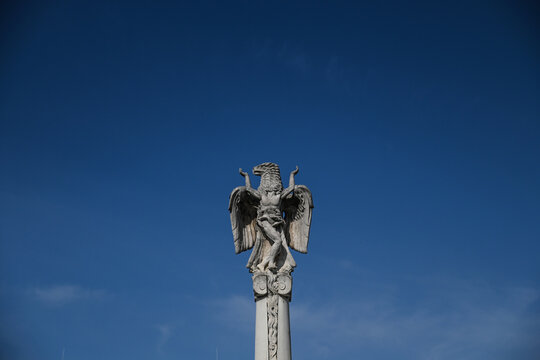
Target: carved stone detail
{"points": [[272, 311], [260, 288], [272, 286], [281, 284], [265, 283], [271, 219]]}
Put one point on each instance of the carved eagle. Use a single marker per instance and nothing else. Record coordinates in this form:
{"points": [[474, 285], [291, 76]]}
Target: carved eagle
{"points": [[295, 211]]}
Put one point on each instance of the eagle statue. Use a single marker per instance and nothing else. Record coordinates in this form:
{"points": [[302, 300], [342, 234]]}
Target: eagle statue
{"points": [[270, 219]]}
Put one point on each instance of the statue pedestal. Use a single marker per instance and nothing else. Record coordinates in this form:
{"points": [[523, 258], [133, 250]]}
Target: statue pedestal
{"points": [[272, 331]]}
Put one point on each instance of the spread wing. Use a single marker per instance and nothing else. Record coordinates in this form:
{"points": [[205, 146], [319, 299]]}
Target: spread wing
{"points": [[243, 209], [298, 218]]}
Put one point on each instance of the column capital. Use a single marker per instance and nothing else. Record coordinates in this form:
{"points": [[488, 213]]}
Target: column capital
{"points": [[265, 283]]}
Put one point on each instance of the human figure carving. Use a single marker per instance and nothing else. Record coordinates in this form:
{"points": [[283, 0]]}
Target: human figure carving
{"points": [[270, 219]]}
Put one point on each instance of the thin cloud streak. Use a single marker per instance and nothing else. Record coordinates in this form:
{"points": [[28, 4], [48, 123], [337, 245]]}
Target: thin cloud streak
{"points": [[64, 294], [461, 320], [288, 55], [165, 334], [464, 325], [236, 311]]}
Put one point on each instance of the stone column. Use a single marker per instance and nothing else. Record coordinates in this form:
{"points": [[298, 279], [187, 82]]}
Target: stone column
{"points": [[261, 330], [272, 330]]}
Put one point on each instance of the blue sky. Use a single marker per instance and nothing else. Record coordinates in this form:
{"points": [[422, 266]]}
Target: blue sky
{"points": [[415, 125]]}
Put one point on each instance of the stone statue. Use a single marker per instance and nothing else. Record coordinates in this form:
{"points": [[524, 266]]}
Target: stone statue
{"points": [[270, 219]]}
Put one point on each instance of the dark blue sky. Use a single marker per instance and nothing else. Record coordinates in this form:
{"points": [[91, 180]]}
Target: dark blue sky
{"points": [[415, 125]]}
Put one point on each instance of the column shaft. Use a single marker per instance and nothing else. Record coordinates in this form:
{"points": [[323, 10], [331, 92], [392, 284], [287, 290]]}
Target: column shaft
{"points": [[261, 330], [284, 333], [272, 295]]}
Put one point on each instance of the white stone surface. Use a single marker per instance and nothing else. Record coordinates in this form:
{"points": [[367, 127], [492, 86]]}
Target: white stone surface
{"points": [[284, 333], [272, 329], [271, 219], [261, 330]]}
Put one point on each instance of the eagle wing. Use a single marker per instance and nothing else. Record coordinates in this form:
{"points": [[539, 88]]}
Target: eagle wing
{"points": [[298, 211], [243, 209]]}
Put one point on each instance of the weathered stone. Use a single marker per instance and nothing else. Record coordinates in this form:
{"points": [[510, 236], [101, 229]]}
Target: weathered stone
{"points": [[270, 220]]}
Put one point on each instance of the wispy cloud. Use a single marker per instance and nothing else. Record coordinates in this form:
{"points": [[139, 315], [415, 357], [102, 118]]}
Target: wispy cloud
{"points": [[445, 320], [64, 294], [465, 322], [291, 56], [165, 334], [236, 311]]}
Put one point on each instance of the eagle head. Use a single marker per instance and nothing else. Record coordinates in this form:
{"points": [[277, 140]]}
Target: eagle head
{"points": [[270, 176]]}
